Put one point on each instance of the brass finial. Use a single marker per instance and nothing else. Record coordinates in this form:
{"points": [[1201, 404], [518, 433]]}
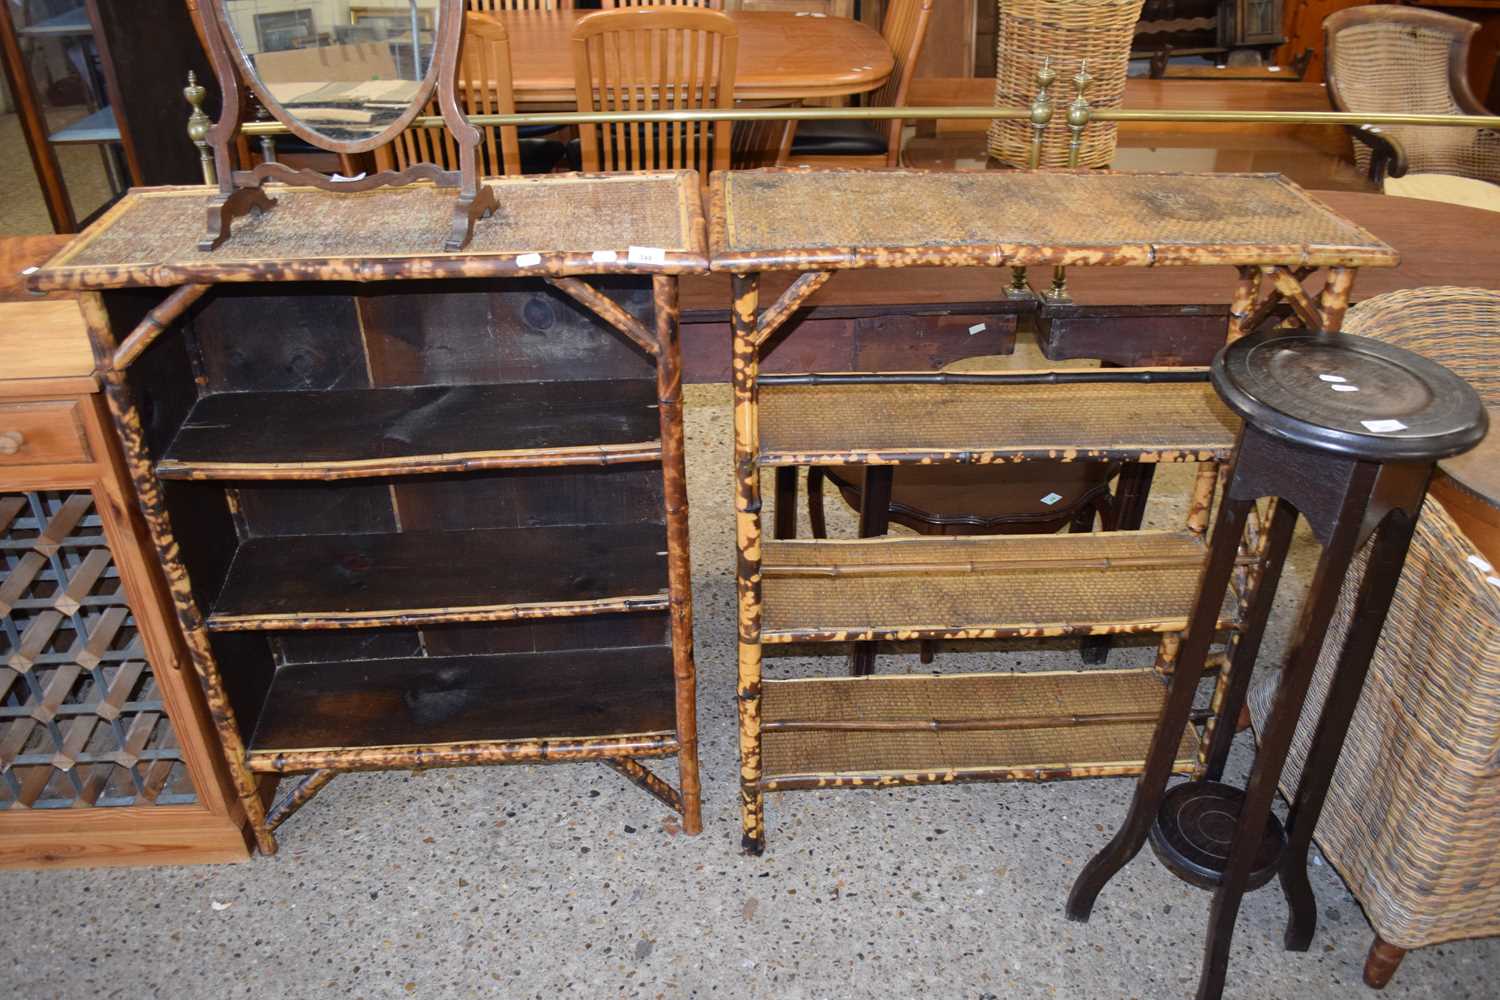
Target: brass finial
{"points": [[198, 125]]}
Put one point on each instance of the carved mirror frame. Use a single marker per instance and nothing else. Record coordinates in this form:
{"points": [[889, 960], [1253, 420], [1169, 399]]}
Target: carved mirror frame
{"points": [[242, 191]]}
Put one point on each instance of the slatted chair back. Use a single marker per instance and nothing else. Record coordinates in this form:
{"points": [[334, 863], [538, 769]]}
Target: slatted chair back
{"points": [[1398, 59], [493, 6], [905, 31], [1456, 327], [677, 58], [484, 88], [616, 4]]}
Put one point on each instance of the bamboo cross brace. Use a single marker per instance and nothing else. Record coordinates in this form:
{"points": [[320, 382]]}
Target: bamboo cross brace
{"points": [[772, 318], [309, 786], [1290, 287], [1274, 296], [983, 566], [637, 774], [155, 324], [608, 310]]}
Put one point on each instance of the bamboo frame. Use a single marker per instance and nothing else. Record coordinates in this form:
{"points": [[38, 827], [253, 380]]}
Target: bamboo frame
{"points": [[319, 620], [606, 309], [422, 756], [156, 323]]}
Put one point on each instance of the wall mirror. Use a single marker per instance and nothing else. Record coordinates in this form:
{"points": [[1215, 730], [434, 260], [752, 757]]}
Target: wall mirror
{"points": [[345, 76]]}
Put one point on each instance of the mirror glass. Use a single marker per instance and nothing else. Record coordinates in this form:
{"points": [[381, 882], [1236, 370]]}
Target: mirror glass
{"points": [[346, 69]]}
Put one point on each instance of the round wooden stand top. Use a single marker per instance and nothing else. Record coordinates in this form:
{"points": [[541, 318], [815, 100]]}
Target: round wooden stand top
{"points": [[1349, 395]]}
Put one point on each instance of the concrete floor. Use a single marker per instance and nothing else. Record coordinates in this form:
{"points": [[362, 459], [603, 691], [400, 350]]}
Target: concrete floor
{"points": [[566, 880]]}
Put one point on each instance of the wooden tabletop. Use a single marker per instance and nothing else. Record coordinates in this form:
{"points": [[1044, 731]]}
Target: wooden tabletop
{"points": [[782, 57], [1478, 472], [793, 219], [40, 338]]}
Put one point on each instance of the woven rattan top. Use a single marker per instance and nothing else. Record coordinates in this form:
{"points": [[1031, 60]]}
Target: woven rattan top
{"points": [[151, 236], [791, 219], [980, 424]]}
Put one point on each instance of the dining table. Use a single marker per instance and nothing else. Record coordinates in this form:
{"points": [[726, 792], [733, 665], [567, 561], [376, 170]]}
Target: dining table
{"points": [[784, 58]]}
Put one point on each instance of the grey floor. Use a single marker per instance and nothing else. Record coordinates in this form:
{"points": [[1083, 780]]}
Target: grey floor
{"points": [[565, 880]]}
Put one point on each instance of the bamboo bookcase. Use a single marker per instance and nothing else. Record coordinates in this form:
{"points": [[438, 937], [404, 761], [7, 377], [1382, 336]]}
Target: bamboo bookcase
{"points": [[875, 731], [416, 509]]}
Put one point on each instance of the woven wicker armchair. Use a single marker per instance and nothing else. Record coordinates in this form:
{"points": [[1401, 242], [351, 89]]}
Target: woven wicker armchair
{"points": [[1384, 58], [1413, 815]]}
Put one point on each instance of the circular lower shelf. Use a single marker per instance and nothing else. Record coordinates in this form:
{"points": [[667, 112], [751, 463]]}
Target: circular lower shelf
{"points": [[1194, 829]]}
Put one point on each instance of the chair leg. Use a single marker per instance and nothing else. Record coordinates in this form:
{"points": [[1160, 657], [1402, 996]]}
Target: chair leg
{"points": [[874, 521], [786, 501], [929, 650], [1382, 962], [815, 501]]}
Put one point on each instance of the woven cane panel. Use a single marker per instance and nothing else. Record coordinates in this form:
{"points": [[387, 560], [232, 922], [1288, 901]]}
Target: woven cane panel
{"points": [[770, 212], [1119, 419], [162, 227], [81, 718], [1413, 813], [1403, 68], [1039, 592], [956, 697]]}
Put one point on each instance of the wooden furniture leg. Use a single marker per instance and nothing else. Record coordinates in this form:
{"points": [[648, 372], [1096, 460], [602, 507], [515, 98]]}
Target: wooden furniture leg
{"points": [[815, 514], [786, 501], [1382, 962], [1130, 510], [874, 520]]}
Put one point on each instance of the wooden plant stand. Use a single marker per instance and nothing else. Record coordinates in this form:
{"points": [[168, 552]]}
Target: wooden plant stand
{"points": [[416, 509], [873, 731]]}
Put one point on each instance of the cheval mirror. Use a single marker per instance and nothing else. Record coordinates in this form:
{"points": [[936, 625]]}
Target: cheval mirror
{"points": [[346, 76]]}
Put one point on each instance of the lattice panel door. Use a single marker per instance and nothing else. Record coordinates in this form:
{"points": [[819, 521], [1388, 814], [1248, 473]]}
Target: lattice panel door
{"points": [[81, 718]]}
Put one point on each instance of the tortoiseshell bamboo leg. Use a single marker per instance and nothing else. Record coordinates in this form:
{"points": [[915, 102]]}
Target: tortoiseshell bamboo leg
{"points": [[746, 365], [1229, 693], [310, 785], [815, 515], [1174, 717], [122, 408], [1334, 301], [786, 502], [1167, 652], [1276, 740], [1371, 605], [1242, 304], [874, 521], [679, 569]]}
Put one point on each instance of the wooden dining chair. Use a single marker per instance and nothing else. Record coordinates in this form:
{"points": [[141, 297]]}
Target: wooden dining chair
{"points": [[616, 4], [648, 59], [484, 88], [859, 143], [492, 6]]}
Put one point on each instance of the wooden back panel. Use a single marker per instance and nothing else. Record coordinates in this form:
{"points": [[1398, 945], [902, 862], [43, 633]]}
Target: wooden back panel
{"points": [[615, 4], [484, 88], [641, 60]]}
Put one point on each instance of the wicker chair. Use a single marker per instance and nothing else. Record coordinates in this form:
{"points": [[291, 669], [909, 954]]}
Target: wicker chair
{"points": [[1384, 58], [1413, 814]]}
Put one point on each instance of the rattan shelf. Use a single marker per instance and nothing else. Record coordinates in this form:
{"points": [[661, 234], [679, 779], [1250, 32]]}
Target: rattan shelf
{"points": [[917, 730], [360, 433], [839, 419], [980, 587], [431, 577]]}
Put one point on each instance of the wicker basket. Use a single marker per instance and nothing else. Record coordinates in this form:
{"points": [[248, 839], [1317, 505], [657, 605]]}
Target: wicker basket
{"points": [[1067, 32]]}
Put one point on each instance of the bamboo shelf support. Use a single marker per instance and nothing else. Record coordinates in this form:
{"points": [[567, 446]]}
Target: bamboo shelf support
{"points": [[781, 310], [608, 310], [155, 324]]}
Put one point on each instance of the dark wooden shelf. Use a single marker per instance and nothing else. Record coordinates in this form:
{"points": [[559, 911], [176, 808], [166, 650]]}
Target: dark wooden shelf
{"points": [[566, 696], [351, 433], [425, 577]]}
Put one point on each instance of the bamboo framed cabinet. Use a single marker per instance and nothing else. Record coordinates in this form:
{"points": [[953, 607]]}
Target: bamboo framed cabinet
{"points": [[875, 731], [416, 509], [107, 752]]}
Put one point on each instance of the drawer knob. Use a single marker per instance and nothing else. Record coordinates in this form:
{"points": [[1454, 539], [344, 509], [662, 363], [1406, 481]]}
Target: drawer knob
{"points": [[11, 441]]}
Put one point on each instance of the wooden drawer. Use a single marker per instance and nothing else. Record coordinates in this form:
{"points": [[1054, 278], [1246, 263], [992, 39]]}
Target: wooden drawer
{"points": [[44, 432]]}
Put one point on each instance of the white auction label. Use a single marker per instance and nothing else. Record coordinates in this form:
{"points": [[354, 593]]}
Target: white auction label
{"points": [[528, 259], [977, 328], [33, 269], [1344, 388], [1051, 498], [1333, 378], [1383, 426], [604, 256], [646, 255]]}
